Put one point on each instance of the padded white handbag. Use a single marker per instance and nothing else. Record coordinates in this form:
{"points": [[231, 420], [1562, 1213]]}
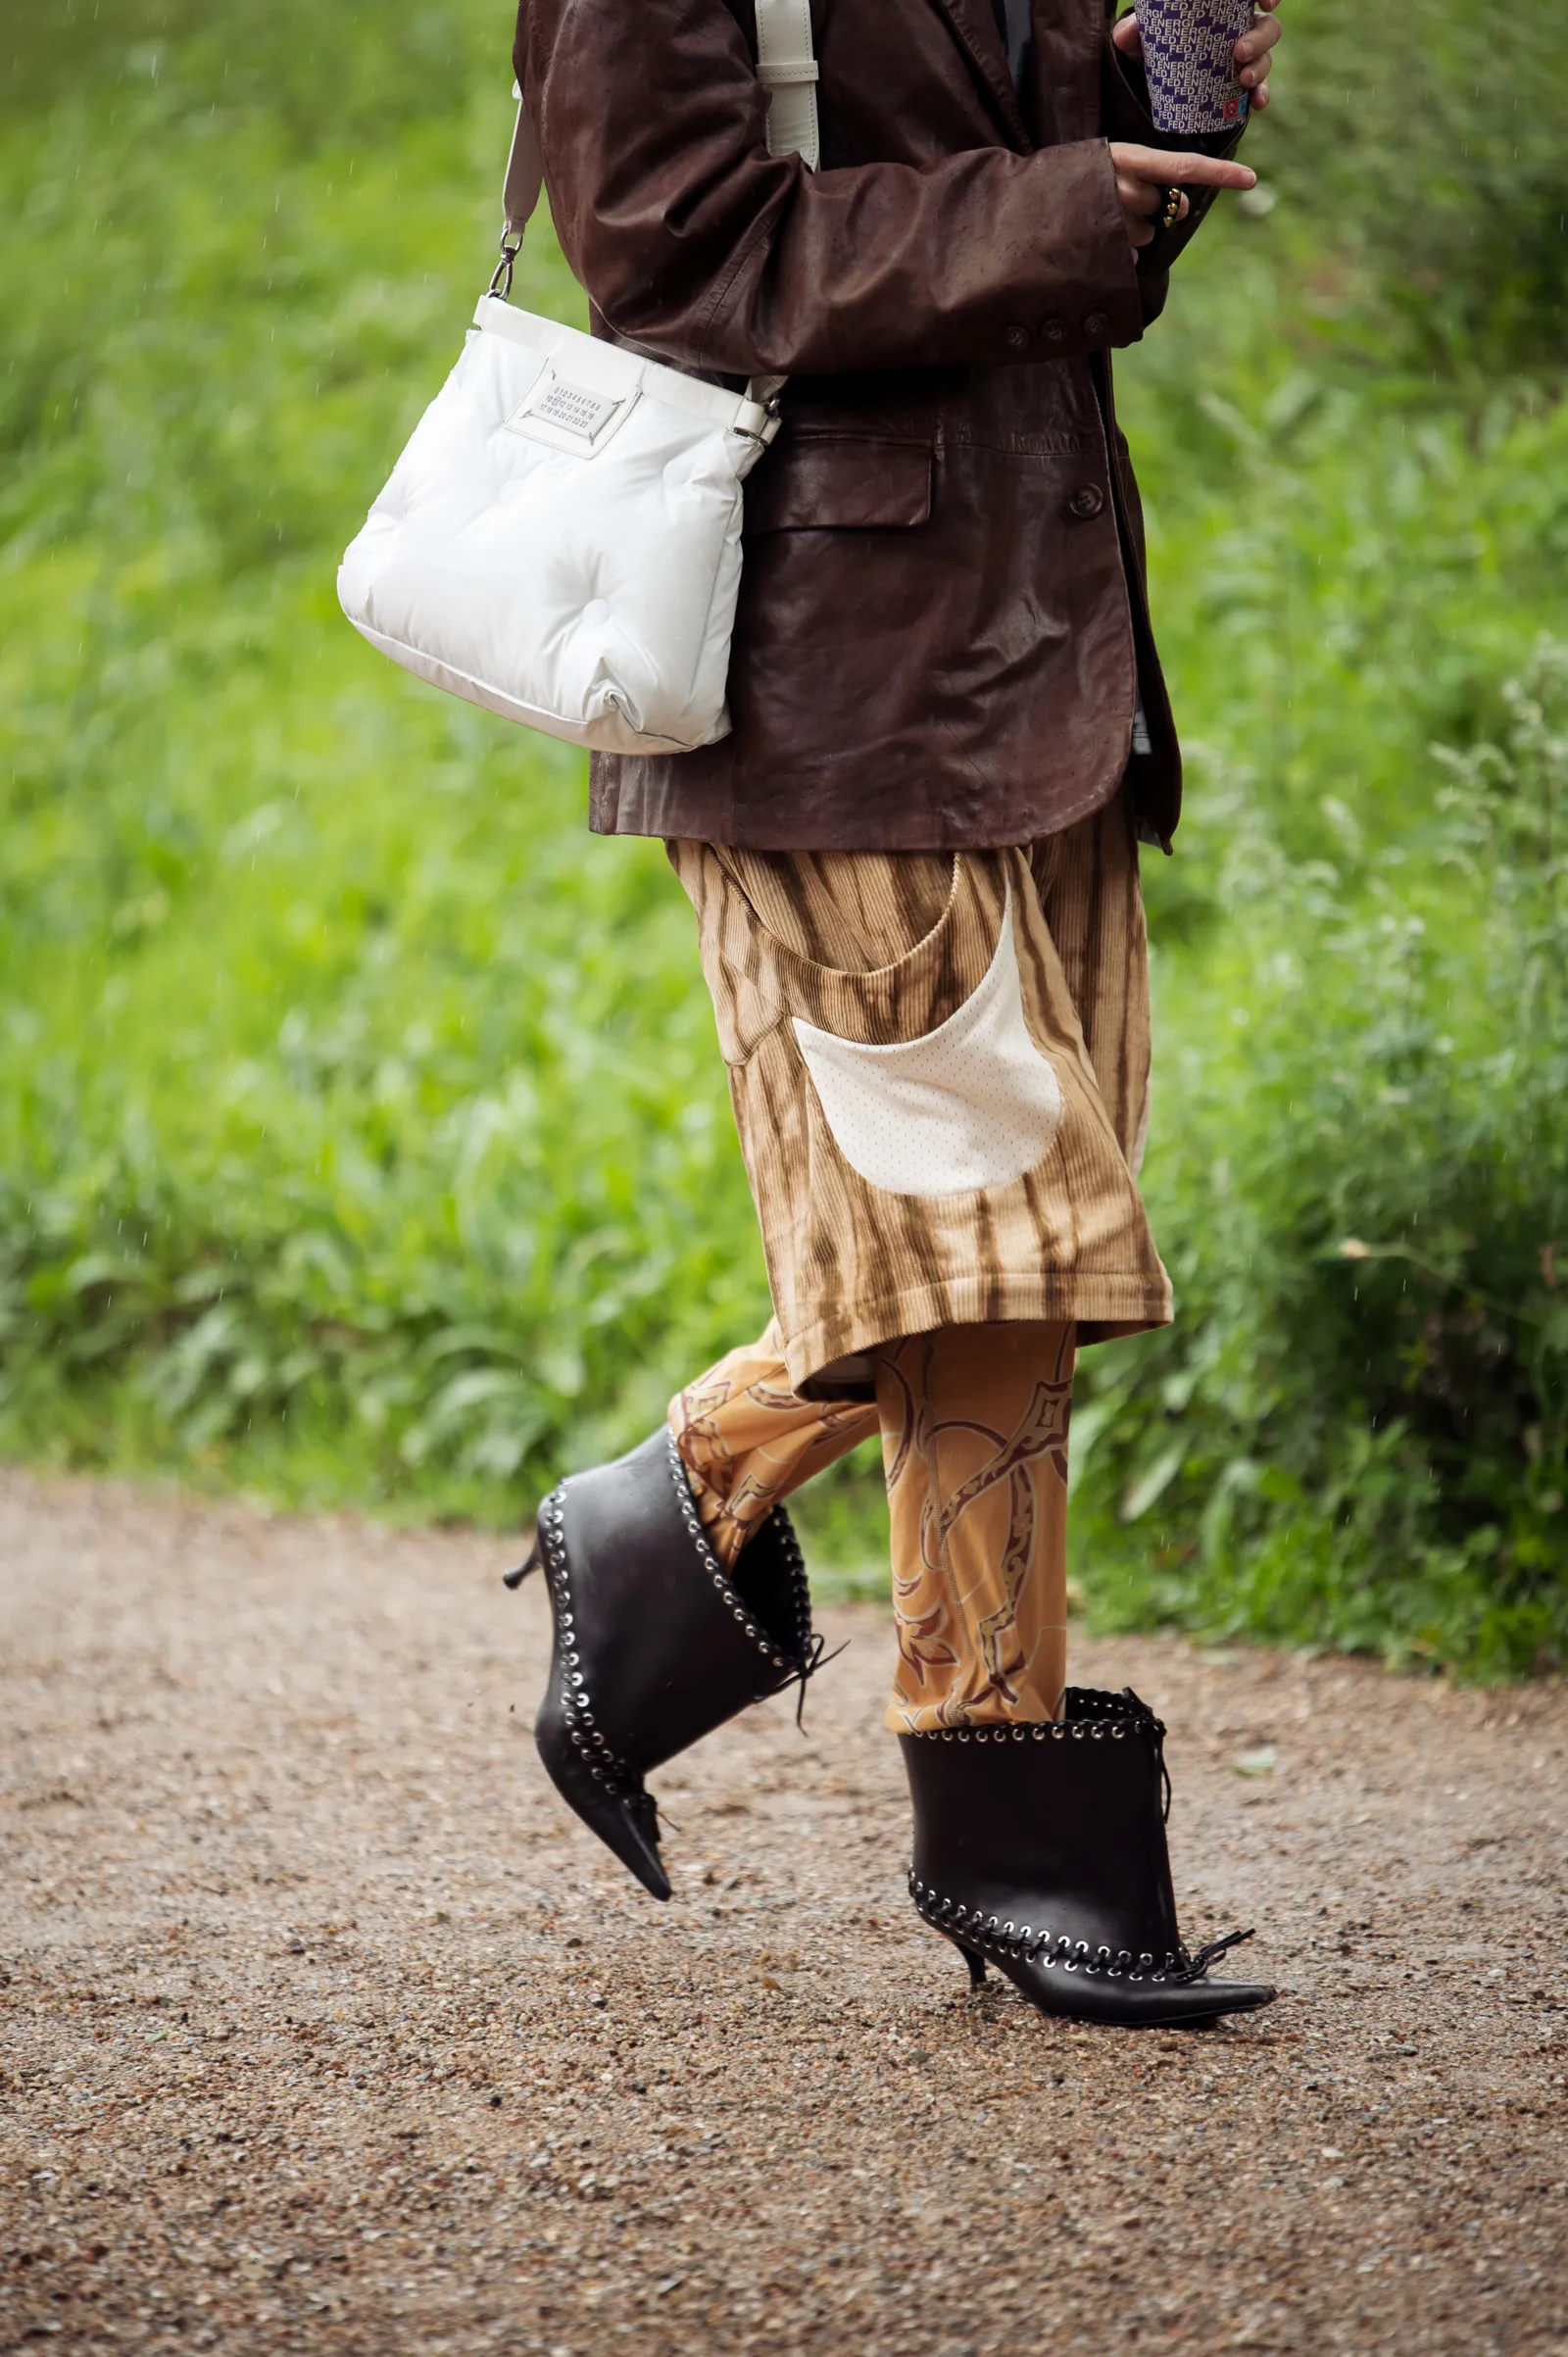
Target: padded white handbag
{"points": [[560, 540]]}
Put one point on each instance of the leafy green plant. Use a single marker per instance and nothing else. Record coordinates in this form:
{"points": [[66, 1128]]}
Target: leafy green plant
{"points": [[1358, 1427]]}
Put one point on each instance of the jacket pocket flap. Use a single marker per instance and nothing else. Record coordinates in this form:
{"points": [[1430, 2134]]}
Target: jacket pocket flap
{"points": [[839, 483]]}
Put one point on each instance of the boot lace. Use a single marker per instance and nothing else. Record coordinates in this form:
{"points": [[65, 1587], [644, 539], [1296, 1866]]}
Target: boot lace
{"points": [[814, 1658], [1196, 1968]]}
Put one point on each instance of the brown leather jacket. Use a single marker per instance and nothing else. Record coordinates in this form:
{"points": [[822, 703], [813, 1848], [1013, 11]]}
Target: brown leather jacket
{"points": [[937, 645]]}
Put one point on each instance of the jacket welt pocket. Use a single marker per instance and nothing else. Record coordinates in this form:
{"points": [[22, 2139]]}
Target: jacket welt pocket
{"points": [[839, 483]]}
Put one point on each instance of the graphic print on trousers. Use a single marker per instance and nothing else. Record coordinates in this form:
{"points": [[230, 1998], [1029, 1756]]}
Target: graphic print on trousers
{"points": [[973, 1421]]}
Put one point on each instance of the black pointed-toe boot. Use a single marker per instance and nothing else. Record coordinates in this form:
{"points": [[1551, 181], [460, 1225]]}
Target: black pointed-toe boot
{"points": [[1043, 1847], [656, 1644]]}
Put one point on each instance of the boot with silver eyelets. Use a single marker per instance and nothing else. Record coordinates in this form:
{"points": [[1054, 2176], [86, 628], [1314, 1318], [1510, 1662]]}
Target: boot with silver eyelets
{"points": [[1042, 1849], [656, 1644]]}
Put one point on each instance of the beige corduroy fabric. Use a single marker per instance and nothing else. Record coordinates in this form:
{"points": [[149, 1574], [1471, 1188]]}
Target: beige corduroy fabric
{"points": [[882, 951]]}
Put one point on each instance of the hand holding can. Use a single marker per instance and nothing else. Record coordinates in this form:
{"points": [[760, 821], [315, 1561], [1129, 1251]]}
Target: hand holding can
{"points": [[1207, 61]]}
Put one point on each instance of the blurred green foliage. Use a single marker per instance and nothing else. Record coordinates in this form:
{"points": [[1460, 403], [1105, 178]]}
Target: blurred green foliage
{"points": [[1358, 1427], [1425, 145], [362, 1130]]}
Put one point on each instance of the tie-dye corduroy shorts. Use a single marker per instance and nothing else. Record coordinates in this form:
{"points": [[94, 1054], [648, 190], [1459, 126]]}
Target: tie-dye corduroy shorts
{"points": [[939, 1065]]}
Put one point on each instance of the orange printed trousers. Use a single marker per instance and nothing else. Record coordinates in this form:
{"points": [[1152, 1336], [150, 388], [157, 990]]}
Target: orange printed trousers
{"points": [[973, 1422]]}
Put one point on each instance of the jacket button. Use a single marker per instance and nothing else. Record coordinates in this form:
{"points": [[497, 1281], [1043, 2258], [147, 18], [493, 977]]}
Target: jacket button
{"points": [[1097, 326], [1086, 501], [1015, 338], [1054, 332]]}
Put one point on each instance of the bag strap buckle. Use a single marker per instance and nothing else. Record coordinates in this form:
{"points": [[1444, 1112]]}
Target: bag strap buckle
{"points": [[510, 248]]}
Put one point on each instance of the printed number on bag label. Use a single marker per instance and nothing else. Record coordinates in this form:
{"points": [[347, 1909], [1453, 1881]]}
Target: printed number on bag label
{"points": [[580, 412], [568, 415]]}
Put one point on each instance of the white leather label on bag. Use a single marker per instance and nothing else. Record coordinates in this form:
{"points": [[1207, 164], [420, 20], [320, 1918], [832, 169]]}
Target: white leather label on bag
{"points": [[569, 417]]}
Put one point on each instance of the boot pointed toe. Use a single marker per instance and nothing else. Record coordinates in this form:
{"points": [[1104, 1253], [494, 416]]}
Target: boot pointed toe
{"points": [[654, 1642], [625, 1816], [1155, 2004], [619, 1830]]}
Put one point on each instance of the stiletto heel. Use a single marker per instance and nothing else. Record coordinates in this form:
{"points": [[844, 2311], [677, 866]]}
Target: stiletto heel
{"points": [[514, 1579], [976, 1963]]}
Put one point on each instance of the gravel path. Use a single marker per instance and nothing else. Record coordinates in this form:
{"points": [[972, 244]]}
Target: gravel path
{"points": [[326, 2028]]}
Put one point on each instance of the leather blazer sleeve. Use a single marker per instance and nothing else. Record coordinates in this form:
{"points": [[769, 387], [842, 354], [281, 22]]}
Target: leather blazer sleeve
{"points": [[695, 243]]}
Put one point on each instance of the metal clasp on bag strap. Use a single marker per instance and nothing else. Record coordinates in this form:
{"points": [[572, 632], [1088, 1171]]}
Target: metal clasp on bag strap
{"points": [[765, 397], [772, 416], [510, 248]]}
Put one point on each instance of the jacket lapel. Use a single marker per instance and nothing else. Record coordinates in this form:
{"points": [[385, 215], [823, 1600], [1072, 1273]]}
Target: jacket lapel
{"points": [[975, 26], [1064, 69]]}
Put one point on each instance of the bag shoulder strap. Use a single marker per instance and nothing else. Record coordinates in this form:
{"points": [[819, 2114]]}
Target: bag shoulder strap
{"points": [[786, 67], [525, 176]]}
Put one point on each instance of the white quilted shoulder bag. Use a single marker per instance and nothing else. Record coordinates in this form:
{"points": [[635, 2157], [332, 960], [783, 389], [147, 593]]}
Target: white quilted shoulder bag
{"points": [[560, 540]]}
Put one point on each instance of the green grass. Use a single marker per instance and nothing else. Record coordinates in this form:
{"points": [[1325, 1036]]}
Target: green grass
{"points": [[354, 1108], [363, 1135]]}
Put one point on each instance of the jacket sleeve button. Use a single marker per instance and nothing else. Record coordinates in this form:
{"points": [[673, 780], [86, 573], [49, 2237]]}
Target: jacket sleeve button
{"points": [[1015, 338], [1054, 332], [1097, 326], [1086, 501]]}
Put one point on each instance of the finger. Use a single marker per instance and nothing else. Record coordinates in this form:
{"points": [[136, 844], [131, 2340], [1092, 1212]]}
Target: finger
{"points": [[1127, 37], [1182, 169], [1258, 39], [1261, 96], [1145, 202], [1138, 200], [1138, 196], [1253, 51]]}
